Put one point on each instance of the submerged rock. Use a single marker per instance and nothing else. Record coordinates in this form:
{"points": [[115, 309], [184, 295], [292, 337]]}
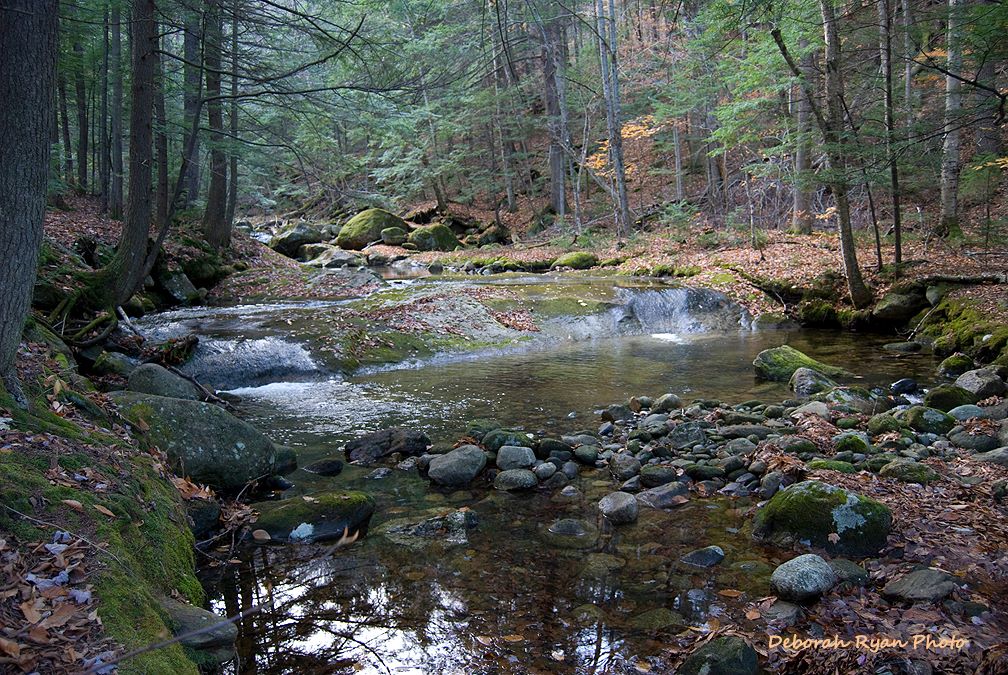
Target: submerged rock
{"points": [[203, 441], [316, 518], [449, 528], [378, 444], [329, 466], [727, 655], [709, 556], [202, 631], [458, 467], [619, 507], [665, 496], [813, 511]]}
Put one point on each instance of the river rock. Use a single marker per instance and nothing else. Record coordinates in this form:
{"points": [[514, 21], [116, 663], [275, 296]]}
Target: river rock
{"points": [[805, 382], [924, 585], [498, 438], [204, 515], [545, 470], [804, 578], [624, 466], [812, 511], [686, 435], [928, 420], [309, 519], [333, 257], [616, 412], [778, 364], [586, 454], [997, 456], [201, 631], [150, 378], [293, 237], [619, 507], [394, 236], [955, 365], [458, 467], [783, 613], [451, 527], [576, 260], [726, 655], [175, 285], [706, 557], [849, 572], [982, 383], [665, 496], [378, 444], [515, 457], [967, 412], [329, 466], [900, 305], [515, 479], [114, 363], [653, 475], [366, 227], [944, 397], [203, 441], [666, 403], [974, 442], [435, 237]]}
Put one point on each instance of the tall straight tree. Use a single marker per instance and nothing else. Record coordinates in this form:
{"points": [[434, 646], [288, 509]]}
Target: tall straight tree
{"points": [[28, 33], [232, 196], [80, 90], [215, 228], [193, 80], [606, 29], [554, 81], [885, 58], [116, 130], [948, 221], [125, 271], [104, 167], [801, 210]]}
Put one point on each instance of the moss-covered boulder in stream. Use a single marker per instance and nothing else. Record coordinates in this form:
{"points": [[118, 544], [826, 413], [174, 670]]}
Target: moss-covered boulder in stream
{"points": [[203, 441], [308, 519], [944, 397], [813, 511], [576, 260], [927, 420], [778, 364], [436, 237], [366, 227]]}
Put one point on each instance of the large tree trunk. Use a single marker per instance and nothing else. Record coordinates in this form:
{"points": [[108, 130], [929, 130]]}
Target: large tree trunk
{"points": [[216, 230], [68, 165], [948, 222], [801, 211], [193, 78], [606, 27], [116, 133], [834, 123], [232, 197], [908, 67], [28, 33], [82, 119], [160, 145], [125, 272], [988, 135], [885, 57], [551, 99], [103, 138]]}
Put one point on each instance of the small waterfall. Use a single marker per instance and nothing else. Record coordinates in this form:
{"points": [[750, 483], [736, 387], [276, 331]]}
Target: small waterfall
{"points": [[228, 364]]}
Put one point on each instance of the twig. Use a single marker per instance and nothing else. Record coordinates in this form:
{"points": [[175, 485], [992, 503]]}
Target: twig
{"points": [[129, 324]]}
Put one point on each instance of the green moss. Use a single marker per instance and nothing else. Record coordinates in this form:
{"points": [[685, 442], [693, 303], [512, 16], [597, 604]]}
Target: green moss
{"points": [[436, 237], [832, 465], [819, 313], [883, 423], [908, 471], [366, 227], [958, 324], [947, 396], [779, 364], [578, 260]]}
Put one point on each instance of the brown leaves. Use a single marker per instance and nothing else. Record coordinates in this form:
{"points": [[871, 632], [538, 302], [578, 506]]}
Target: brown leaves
{"points": [[191, 490]]}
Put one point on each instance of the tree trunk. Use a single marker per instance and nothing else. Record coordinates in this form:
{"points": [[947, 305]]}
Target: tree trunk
{"points": [[908, 64], [68, 164], [232, 197], [606, 28], [216, 230], [80, 99], [948, 222], [160, 144], [28, 33], [124, 273], [193, 79], [801, 211], [859, 293], [988, 135], [885, 56], [551, 100], [677, 146], [116, 133], [103, 138]]}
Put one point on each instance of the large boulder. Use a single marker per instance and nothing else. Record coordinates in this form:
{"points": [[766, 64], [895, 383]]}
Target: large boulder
{"points": [[394, 236], [458, 467], [331, 257], [726, 655], [366, 227], [322, 517], [150, 378], [577, 260], [201, 631], [928, 420], [824, 515], [778, 364], [944, 397], [899, 305], [203, 441], [436, 237], [982, 383], [805, 382], [290, 240], [378, 444], [175, 286], [803, 578]]}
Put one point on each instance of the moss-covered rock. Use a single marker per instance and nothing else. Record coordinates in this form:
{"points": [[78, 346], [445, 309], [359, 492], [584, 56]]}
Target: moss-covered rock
{"points": [[944, 397], [909, 471], [726, 655], [832, 465], [778, 364], [818, 313], [851, 442], [394, 236], [900, 305], [812, 511], [576, 260], [366, 227], [928, 420], [955, 365], [436, 237], [883, 423], [323, 517], [202, 441]]}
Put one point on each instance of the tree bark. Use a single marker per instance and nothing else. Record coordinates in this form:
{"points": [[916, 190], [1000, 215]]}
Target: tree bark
{"points": [[232, 197], [551, 100], [68, 163], [948, 222], [80, 91], [116, 133], [28, 33], [104, 167], [160, 144], [606, 28], [988, 135], [885, 57], [215, 229], [193, 79], [801, 211], [124, 273]]}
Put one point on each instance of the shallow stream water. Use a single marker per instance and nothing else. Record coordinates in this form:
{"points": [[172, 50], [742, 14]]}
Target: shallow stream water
{"points": [[510, 599]]}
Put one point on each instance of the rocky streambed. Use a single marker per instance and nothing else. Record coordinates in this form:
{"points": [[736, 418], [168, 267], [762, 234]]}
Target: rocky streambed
{"points": [[514, 522]]}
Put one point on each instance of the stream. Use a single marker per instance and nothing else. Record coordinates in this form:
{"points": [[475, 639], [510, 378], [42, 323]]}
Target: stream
{"points": [[509, 597]]}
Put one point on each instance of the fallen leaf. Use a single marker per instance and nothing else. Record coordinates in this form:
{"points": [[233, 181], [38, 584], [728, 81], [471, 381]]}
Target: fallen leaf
{"points": [[29, 611], [104, 511], [74, 504], [730, 593], [513, 638], [10, 648], [484, 640], [834, 538], [753, 614]]}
